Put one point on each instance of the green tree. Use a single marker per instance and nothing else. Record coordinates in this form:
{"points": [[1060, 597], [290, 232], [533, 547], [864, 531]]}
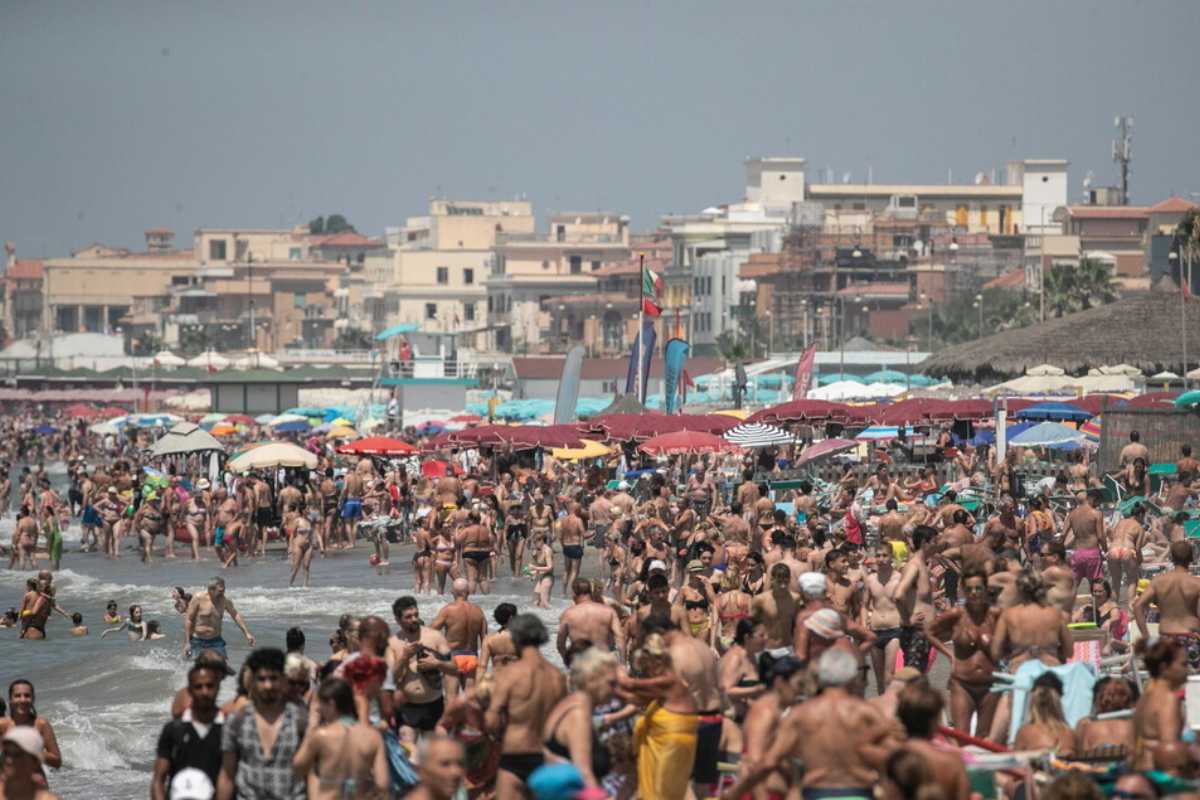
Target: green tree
{"points": [[958, 320], [1186, 243], [146, 344], [353, 339], [1076, 288], [193, 340], [334, 223]]}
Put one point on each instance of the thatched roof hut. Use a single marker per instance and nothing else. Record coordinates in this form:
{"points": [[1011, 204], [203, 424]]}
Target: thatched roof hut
{"points": [[1142, 330]]}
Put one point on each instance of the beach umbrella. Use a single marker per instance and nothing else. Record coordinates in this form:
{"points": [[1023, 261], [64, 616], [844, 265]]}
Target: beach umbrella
{"points": [[1054, 411], [839, 377], [79, 411], [758, 434], [683, 442], [256, 360], [823, 449], [222, 429], [435, 469], [208, 420], [801, 411], [1048, 434], [883, 433], [590, 449], [160, 420], [341, 432], [1152, 400], [378, 446], [736, 413], [287, 417], [295, 426], [240, 419], [44, 429], [341, 422], [209, 360], [264, 419], [1044, 370], [184, 437], [274, 454], [1165, 375], [1188, 399], [887, 376], [165, 358], [111, 411], [306, 412], [105, 428]]}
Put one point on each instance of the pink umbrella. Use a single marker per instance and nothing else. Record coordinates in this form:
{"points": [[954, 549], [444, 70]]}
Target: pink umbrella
{"points": [[824, 448]]}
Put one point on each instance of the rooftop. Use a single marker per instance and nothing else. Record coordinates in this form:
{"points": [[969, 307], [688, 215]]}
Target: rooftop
{"points": [[346, 239], [1108, 212], [1173, 205], [26, 269], [852, 190], [1013, 279]]}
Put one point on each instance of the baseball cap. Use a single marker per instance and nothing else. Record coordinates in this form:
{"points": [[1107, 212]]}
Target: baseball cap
{"points": [[26, 738], [695, 565], [658, 564], [191, 784]]}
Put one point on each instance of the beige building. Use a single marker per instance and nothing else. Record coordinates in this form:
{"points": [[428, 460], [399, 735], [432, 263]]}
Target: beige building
{"points": [[530, 272], [228, 245]]}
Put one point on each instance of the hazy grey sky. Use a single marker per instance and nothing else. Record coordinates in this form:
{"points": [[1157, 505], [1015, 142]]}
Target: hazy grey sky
{"points": [[121, 116]]}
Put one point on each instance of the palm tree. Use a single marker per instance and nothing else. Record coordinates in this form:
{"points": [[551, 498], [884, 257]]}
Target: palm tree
{"points": [[1094, 283], [1187, 242], [1059, 286]]}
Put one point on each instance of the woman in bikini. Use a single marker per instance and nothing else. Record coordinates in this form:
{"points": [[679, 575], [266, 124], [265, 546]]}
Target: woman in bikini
{"points": [[541, 568], [571, 735], [443, 558], [423, 558], [1039, 526], [739, 678], [23, 713], [1125, 543], [969, 631], [197, 519], [1107, 615], [733, 606]]}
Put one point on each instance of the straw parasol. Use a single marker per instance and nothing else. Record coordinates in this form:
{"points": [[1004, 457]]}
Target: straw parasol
{"points": [[1142, 331], [185, 437], [275, 454]]}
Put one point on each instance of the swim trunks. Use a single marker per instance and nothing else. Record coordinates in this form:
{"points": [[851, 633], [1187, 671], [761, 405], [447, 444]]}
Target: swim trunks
{"points": [[466, 661], [352, 508], [574, 551], [915, 648], [90, 516], [708, 748], [219, 536], [199, 645], [1087, 564], [521, 764], [422, 716], [263, 517], [885, 635], [478, 556]]}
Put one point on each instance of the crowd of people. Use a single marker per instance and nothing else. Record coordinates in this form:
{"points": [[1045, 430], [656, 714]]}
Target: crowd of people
{"points": [[723, 638]]}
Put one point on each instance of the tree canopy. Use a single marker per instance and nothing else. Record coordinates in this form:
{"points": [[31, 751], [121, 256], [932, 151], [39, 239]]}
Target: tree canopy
{"points": [[334, 223]]}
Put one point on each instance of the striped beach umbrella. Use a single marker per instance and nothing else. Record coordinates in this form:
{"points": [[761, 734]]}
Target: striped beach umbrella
{"points": [[758, 434]]}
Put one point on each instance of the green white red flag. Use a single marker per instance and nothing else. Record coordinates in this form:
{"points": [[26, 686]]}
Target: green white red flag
{"points": [[652, 291]]}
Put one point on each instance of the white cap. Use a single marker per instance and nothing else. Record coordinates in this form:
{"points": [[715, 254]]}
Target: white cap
{"points": [[191, 784], [658, 564], [812, 584]]}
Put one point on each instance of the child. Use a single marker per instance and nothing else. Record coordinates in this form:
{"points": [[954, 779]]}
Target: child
{"points": [[78, 629], [111, 617]]}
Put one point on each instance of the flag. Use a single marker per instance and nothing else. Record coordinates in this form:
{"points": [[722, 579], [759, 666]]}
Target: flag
{"points": [[685, 381], [652, 289], [804, 369], [676, 352], [568, 386], [648, 336]]}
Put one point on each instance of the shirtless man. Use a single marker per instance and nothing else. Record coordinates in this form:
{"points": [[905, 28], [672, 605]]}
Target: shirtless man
{"points": [[845, 595], [956, 534], [571, 533], [464, 626], [1125, 552], [420, 658], [920, 711], [342, 757], [328, 491], [1085, 529], [1134, 450], [522, 699], [1187, 469], [589, 621], [777, 607], [227, 526], [203, 618], [842, 739], [1177, 595], [476, 543], [913, 597], [24, 542], [352, 500], [891, 529], [881, 614]]}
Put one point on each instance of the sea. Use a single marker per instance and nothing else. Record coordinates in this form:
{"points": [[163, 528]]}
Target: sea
{"points": [[109, 698]]}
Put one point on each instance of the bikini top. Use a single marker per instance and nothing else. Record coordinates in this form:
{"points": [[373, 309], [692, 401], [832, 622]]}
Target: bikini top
{"points": [[601, 761]]}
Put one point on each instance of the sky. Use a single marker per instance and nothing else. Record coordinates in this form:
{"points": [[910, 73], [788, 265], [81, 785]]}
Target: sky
{"points": [[118, 117]]}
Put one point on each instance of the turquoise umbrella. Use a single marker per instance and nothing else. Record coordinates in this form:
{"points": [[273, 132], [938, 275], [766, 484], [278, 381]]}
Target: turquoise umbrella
{"points": [[1188, 399], [887, 376], [825, 380]]}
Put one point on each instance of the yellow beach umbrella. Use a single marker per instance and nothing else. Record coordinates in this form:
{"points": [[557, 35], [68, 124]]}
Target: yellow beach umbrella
{"points": [[736, 413], [341, 432], [590, 449]]}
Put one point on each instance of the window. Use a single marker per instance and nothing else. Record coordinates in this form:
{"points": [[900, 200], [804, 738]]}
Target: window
{"points": [[469, 312], [576, 265], [299, 300], [860, 206], [490, 304], [293, 254], [723, 285], [179, 280], [431, 311], [595, 266], [443, 275], [216, 250], [561, 233], [545, 264], [468, 276]]}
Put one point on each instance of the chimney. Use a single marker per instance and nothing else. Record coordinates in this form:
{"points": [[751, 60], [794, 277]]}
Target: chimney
{"points": [[160, 240]]}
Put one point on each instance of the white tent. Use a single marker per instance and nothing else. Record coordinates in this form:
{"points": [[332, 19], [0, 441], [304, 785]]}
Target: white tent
{"points": [[256, 360], [1045, 369], [209, 360], [166, 358], [1164, 376], [1117, 369], [849, 390]]}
